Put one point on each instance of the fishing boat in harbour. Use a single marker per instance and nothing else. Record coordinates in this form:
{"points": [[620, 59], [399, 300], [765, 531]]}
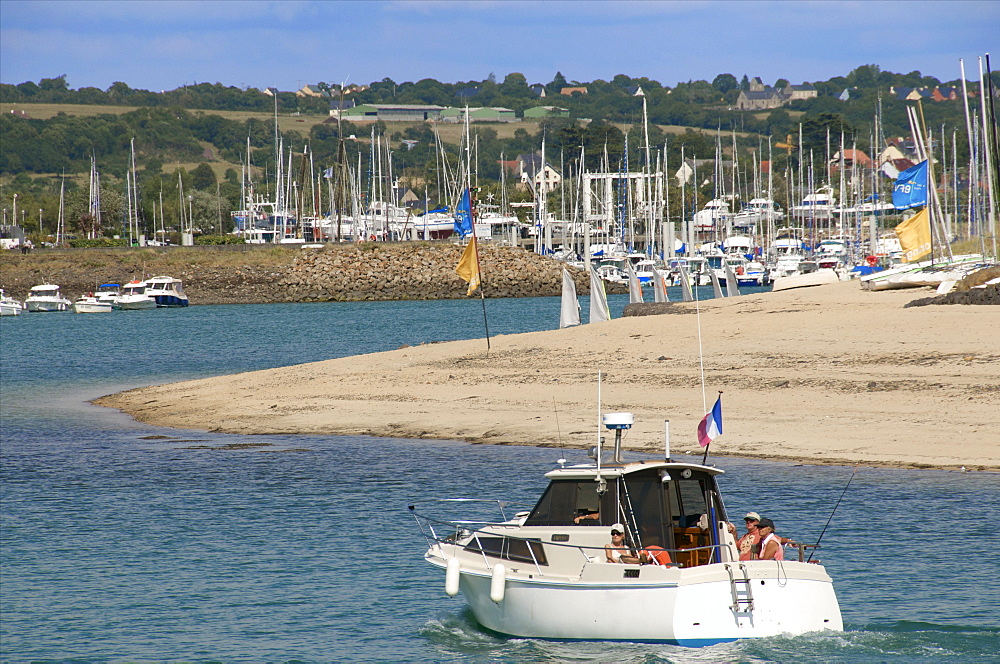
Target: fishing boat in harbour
{"points": [[133, 296], [545, 573], [9, 306], [91, 304], [166, 291], [108, 293], [46, 297]]}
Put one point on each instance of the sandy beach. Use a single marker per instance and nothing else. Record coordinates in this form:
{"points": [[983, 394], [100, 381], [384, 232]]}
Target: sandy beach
{"points": [[829, 374]]}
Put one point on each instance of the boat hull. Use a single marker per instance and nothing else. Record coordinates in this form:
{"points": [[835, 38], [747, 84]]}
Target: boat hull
{"points": [[688, 607], [817, 278], [45, 305], [170, 301], [92, 307], [135, 303]]}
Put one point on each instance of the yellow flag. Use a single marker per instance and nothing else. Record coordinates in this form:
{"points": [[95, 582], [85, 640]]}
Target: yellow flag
{"points": [[468, 266], [915, 236]]}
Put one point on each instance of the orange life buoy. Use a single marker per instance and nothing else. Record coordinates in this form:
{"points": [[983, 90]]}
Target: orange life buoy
{"points": [[657, 555], [872, 260]]}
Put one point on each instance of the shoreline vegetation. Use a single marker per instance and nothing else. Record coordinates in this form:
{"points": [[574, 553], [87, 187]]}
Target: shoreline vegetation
{"points": [[824, 375]]}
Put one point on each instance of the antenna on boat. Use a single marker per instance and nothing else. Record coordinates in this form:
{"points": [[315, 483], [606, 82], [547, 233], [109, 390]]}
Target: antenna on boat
{"points": [[666, 440], [599, 438]]}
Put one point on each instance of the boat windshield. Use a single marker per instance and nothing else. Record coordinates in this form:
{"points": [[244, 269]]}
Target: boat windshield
{"points": [[563, 501]]}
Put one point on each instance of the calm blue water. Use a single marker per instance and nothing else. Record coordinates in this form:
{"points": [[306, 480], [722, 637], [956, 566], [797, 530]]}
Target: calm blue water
{"points": [[125, 542]]}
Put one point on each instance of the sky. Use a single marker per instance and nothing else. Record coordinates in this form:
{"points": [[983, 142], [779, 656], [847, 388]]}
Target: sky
{"points": [[162, 45]]}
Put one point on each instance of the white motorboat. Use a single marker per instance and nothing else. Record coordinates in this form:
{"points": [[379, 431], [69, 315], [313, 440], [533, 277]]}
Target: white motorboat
{"points": [[696, 267], [9, 306], [756, 212], [133, 296], [91, 304], [818, 206], [785, 254], [108, 293], [46, 297], [713, 216], [544, 573], [166, 291]]}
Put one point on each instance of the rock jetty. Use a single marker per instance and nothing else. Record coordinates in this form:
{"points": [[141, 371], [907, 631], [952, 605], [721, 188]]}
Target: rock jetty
{"points": [[262, 274]]}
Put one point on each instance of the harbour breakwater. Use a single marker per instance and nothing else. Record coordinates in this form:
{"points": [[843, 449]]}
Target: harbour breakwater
{"points": [[250, 274]]}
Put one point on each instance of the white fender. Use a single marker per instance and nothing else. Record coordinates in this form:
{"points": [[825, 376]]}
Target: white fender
{"points": [[451, 577], [497, 585]]}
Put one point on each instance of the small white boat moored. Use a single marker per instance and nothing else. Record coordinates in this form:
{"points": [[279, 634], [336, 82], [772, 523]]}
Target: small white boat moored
{"points": [[544, 573], [9, 306], [108, 293], [90, 304], [133, 296], [46, 297]]}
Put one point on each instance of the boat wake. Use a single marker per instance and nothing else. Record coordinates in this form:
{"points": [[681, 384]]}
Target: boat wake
{"points": [[459, 636]]}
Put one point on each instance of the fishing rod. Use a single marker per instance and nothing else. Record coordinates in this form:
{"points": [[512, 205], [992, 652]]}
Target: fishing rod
{"points": [[844, 493]]}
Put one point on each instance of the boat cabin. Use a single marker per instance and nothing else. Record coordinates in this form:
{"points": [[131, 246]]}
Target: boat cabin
{"points": [[665, 504]]}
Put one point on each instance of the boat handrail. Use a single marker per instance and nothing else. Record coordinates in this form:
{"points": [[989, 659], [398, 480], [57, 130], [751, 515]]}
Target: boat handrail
{"points": [[462, 530]]}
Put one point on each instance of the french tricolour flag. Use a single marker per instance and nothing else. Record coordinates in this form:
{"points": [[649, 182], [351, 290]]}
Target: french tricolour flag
{"points": [[711, 425]]}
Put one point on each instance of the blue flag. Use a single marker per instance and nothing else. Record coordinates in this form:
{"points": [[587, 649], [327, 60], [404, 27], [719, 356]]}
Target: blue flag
{"points": [[910, 189], [463, 215]]}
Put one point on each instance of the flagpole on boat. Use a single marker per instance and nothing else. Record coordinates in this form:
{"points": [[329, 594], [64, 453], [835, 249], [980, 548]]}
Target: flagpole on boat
{"points": [[704, 458]]}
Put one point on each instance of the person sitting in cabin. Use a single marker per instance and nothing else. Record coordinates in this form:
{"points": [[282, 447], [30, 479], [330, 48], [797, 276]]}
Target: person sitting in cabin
{"points": [[586, 516], [617, 551]]}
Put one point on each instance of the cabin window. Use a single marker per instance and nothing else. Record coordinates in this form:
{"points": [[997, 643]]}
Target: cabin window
{"points": [[692, 502], [506, 548], [565, 500]]}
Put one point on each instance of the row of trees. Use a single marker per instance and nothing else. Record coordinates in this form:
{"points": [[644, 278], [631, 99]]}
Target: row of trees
{"points": [[605, 100], [35, 154]]}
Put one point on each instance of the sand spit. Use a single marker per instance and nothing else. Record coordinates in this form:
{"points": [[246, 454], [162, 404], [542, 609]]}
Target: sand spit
{"points": [[831, 374]]}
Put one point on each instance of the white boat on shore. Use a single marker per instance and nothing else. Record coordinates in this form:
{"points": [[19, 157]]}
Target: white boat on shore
{"points": [[166, 291], [923, 274], [46, 297], [9, 306], [91, 304], [133, 297], [804, 279], [544, 572]]}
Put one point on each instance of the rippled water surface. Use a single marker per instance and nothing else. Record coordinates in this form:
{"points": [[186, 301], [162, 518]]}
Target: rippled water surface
{"points": [[125, 542]]}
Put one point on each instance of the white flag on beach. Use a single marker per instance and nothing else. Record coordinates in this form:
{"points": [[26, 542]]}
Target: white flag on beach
{"points": [[634, 287], [569, 312], [598, 298]]}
